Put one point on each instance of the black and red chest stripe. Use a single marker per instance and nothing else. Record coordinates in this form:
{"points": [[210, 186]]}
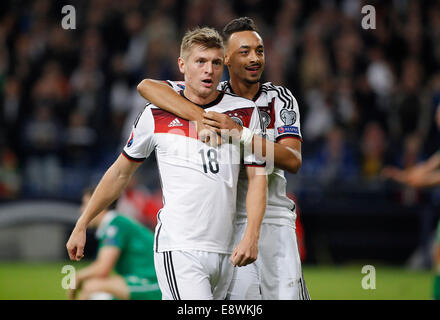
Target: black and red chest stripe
{"points": [[166, 122]]}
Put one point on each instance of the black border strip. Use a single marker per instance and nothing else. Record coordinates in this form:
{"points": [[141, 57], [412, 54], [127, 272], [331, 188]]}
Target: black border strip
{"points": [[287, 135], [131, 158], [158, 230], [174, 276], [167, 274]]}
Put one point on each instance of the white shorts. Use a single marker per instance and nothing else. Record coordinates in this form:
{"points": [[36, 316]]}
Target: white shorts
{"points": [[276, 274], [193, 275]]}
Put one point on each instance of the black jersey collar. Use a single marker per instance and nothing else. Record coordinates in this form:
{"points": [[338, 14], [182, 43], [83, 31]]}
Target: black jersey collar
{"points": [[212, 103], [257, 95]]}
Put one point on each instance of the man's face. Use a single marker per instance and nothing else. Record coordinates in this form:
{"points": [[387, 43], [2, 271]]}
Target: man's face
{"points": [[203, 69], [245, 56]]}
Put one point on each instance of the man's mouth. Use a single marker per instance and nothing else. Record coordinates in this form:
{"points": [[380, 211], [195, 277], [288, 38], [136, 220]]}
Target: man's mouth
{"points": [[253, 68], [207, 82]]}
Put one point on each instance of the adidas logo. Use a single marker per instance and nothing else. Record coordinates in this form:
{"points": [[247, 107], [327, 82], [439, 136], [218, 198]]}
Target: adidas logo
{"points": [[175, 123]]}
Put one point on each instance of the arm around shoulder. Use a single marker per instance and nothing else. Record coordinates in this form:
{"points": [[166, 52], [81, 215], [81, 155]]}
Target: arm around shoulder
{"points": [[165, 97]]}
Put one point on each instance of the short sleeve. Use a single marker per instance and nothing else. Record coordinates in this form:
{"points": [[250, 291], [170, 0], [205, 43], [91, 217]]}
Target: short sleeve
{"points": [[287, 118], [141, 142], [114, 236], [176, 85]]}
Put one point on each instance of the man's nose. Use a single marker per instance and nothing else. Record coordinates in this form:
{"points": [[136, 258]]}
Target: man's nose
{"points": [[209, 68], [253, 57]]}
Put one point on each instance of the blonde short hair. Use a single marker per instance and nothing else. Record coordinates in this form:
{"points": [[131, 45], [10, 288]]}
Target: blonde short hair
{"points": [[205, 37]]}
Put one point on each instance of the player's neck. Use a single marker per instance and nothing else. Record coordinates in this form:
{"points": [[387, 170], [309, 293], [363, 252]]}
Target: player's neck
{"points": [[197, 99], [244, 89]]}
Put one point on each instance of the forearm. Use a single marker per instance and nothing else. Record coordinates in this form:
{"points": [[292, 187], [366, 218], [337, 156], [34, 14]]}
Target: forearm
{"points": [[256, 204], [283, 156], [164, 97], [107, 191], [247, 249], [432, 179], [429, 165], [422, 180]]}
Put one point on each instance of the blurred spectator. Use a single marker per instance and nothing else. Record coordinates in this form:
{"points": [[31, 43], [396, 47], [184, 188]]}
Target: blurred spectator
{"points": [[79, 141], [410, 157], [346, 112], [319, 118], [373, 150], [9, 174], [4, 57], [336, 160], [87, 82], [137, 47], [380, 77], [160, 60], [434, 102], [42, 135], [52, 89], [314, 65], [10, 109], [61, 47], [120, 94], [410, 114], [368, 109]]}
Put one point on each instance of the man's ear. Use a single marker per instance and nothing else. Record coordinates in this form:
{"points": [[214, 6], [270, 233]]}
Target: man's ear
{"points": [[181, 64], [226, 59]]}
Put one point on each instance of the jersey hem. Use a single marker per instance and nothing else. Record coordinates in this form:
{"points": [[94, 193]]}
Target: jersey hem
{"points": [[285, 221], [213, 250], [255, 165], [275, 221], [130, 158], [284, 136]]}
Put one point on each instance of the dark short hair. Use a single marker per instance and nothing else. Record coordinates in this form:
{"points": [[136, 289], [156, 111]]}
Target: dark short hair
{"points": [[89, 190], [237, 25]]}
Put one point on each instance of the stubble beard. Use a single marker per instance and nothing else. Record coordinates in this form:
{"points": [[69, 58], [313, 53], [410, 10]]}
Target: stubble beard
{"points": [[249, 81]]}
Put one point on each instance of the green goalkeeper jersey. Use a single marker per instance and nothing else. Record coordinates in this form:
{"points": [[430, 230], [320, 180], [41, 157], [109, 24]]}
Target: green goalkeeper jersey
{"points": [[135, 242]]}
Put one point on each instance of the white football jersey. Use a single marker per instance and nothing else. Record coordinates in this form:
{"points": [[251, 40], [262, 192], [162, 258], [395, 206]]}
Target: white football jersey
{"points": [[199, 182], [280, 119]]}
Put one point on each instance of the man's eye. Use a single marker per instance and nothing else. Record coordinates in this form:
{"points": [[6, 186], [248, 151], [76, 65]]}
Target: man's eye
{"points": [[244, 52]]}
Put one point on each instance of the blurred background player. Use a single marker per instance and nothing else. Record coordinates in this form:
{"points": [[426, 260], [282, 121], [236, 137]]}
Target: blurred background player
{"points": [[277, 273], [124, 266], [423, 175]]}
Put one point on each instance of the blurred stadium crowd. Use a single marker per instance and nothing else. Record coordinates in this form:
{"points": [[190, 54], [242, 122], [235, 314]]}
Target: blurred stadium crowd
{"points": [[367, 98]]}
